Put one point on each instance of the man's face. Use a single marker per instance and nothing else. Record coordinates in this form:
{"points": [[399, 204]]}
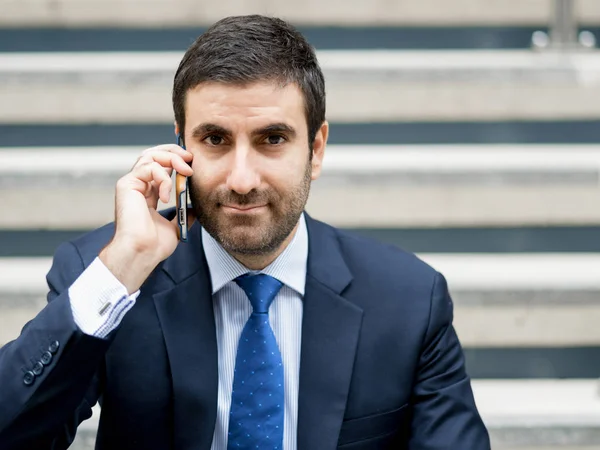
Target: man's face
{"points": [[252, 166]]}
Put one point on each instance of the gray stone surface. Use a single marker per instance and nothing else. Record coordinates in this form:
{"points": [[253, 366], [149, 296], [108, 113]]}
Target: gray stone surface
{"points": [[84, 208], [189, 12], [344, 165], [394, 186], [361, 86], [391, 206]]}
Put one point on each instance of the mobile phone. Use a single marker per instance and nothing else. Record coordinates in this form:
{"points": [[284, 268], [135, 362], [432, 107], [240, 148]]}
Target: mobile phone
{"points": [[181, 199]]}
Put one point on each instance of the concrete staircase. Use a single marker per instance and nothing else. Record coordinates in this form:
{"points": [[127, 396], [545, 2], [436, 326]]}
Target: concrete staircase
{"points": [[489, 156]]}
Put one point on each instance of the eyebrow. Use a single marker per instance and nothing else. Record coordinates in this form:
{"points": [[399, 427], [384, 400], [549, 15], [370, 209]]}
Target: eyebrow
{"points": [[276, 128], [210, 128]]}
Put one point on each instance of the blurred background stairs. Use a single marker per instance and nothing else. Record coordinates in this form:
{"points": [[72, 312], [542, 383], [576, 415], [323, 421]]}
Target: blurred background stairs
{"points": [[452, 136]]}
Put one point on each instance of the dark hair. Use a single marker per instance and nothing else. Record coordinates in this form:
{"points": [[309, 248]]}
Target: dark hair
{"points": [[247, 49]]}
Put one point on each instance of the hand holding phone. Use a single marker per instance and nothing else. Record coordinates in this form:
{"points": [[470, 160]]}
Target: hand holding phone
{"points": [[143, 237], [181, 198]]}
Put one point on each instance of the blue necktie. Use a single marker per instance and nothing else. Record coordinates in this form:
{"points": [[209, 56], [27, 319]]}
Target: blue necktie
{"points": [[256, 415]]}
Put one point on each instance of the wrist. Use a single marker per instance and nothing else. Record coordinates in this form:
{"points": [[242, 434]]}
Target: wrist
{"points": [[129, 265]]}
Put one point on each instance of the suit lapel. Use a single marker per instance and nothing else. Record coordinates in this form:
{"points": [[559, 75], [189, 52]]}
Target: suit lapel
{"points": [[187, 319], [330, 331]]}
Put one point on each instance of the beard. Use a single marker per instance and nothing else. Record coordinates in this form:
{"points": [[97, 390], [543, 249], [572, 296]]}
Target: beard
{"points": [[251, 234]]}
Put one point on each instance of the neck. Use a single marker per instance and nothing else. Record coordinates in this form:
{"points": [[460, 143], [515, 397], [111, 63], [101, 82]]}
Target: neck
{"points": [[259, 262]]}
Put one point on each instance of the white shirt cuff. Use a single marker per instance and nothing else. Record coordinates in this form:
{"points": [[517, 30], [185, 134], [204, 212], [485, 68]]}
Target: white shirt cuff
{"points": [[99, 300]]}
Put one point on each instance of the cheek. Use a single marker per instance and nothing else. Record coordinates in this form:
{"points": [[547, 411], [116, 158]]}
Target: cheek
{"points": [[291, 166], [285, 177], [207, 175]]}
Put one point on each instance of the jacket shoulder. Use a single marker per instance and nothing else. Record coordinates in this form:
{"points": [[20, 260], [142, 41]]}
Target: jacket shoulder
{"points": [[90, 243], [379, 260]]}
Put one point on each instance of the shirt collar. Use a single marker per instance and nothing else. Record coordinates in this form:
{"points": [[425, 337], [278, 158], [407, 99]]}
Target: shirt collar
{"points": [[289, 267]]}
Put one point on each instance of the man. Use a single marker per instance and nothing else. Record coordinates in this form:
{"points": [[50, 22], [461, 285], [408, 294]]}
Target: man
{"points": [[267, 329]]}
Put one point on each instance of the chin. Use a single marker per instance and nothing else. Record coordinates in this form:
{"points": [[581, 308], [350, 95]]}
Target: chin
{"points": [[241, 226], [241, 245], [246, 240]]}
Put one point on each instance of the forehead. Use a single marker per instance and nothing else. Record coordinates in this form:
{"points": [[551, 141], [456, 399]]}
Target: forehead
{"points": [[256, 104]]}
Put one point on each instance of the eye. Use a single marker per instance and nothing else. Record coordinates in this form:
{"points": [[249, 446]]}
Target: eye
{"points": [[275, 139], [214, 140]]}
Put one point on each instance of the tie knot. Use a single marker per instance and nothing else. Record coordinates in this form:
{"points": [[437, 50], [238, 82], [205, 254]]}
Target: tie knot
{"points": [[260, 289]]}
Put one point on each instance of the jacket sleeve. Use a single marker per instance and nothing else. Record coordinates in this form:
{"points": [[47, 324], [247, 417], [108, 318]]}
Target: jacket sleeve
{"points": [[445, 415], [50, 376]]}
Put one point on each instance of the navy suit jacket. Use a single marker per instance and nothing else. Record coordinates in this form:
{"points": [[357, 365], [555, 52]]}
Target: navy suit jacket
{"points": [[381, 365]]}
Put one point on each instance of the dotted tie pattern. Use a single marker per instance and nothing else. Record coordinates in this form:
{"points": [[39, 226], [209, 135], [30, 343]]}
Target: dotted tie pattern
{"points": [[257, 410]]}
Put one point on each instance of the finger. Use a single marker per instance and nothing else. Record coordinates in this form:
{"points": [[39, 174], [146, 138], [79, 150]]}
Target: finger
{"points": [[166, 148], [172, 148], [164, 190], [182, 167], [154, 192], [169, 170], [153, 176], [167, 160], [151, 194], [149, 171]]}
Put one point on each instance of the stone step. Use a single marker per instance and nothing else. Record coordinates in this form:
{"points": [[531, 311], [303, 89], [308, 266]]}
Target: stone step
{"points": [[519, 414], [363, 86], [501, 300], [505, 132], [334, 12], [427, 186], [42, 242], [343, 164], [323, 37]]}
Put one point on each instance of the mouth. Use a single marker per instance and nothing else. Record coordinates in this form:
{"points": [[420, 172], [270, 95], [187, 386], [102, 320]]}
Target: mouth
{"points": [[245, 209]]}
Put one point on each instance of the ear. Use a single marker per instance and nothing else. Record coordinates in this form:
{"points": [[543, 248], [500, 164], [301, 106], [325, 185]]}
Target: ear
{"points": [[319, 145], [176, 128]]}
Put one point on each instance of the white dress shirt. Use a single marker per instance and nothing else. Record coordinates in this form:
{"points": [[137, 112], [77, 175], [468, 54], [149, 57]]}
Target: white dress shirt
{"points": [[99, 302]]}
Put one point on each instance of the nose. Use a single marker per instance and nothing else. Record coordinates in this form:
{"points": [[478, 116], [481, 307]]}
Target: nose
{"points": [[243, 176]]}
